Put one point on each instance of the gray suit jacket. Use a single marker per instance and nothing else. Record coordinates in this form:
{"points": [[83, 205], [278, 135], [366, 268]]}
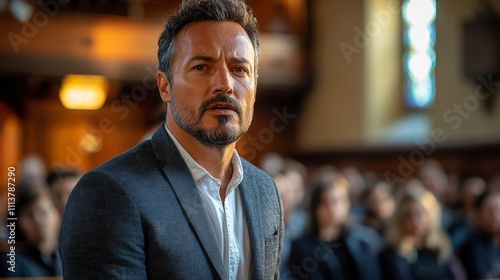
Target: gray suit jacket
{"points": [[139, 216]]}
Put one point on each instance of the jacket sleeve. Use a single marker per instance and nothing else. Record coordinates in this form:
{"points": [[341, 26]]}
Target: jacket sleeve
{"points": [[281, 234], [101, 234]]}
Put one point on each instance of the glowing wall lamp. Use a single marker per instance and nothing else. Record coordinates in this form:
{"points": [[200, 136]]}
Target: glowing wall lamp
{"points": [[83, 92]]}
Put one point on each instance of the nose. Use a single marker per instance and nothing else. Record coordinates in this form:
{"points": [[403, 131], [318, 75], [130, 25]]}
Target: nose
{"points": [[223, 81]]}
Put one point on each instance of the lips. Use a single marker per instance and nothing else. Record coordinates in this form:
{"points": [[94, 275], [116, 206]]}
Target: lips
{"points": [[221, 106]]}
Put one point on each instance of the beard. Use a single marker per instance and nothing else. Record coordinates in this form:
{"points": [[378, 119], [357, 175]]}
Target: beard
{"points": [[218, 137]]}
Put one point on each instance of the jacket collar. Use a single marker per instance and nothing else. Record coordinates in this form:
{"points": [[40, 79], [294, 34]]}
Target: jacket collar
{"points": [[184, 187], [253, 211]]}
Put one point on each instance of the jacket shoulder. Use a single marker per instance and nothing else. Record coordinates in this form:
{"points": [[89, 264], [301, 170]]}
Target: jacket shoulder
{"points": [[253, 172], [140, 154], [126, 171]]}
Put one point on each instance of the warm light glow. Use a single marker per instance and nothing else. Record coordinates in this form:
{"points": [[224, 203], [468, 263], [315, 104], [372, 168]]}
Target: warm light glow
{"points": [[83, 92], [90, 143]]}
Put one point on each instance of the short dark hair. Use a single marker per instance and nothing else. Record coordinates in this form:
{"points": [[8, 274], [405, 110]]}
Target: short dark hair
{"points": [[59, 174], [192, 11], [29, 194]]}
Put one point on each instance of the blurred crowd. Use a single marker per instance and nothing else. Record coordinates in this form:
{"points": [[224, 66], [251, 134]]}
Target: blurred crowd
{"points": [[339, 223], [347, 224], [40, 199]]}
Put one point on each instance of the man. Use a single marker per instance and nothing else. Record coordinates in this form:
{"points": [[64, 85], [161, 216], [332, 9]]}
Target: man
{"points": [[480, 253], [183, 205], [61, 183]]}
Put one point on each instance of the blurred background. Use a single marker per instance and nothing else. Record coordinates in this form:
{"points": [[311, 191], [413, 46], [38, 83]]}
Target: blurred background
{"points": [[344, 82], [392, 92]]}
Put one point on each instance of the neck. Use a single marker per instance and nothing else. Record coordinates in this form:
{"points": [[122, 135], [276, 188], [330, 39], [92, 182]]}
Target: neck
{"points": [[216, 160], [330, 233]]}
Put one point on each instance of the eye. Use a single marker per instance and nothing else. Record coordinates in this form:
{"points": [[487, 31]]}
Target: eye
{"points": [[239, 69], [200, 68]]}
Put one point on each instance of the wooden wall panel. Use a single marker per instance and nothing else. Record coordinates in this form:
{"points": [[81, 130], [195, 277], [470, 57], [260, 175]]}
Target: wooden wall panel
{"points": [[10, 142], [60, 135]]}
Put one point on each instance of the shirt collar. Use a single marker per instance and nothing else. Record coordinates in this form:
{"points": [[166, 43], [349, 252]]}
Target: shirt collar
{"points": [[198, 172]]}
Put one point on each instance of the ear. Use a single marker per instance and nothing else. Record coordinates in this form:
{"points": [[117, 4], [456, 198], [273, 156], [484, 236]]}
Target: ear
{"points": [[163, 86]]}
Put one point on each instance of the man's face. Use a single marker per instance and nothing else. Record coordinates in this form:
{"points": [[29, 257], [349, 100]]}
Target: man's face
{"points": [[212, 91]]}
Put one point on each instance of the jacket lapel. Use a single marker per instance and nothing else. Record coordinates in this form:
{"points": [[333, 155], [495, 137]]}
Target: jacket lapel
{"points": [[185, 189], [251, 203]]}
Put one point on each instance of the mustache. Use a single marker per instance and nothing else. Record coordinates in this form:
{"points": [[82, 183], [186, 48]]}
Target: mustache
{"points": [[221, 98]]}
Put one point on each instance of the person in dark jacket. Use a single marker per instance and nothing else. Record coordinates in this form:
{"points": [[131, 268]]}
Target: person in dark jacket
{"points": [[418, 248], [333, 248], [481, 252], [380, 203], [34, 248]]}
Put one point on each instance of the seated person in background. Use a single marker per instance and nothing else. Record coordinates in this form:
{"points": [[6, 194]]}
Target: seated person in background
{"points": [[481, 252], [408, 185], [295, 219], [333, 248], [379, 202], [32, 171], [37, 230], [357, 186], [436, 181], [470, 189], [290, 177], [61, 183], [418, 247]]}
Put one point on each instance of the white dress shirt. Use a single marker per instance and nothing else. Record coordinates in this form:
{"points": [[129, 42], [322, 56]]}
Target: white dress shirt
{"points": [[228, 219]]}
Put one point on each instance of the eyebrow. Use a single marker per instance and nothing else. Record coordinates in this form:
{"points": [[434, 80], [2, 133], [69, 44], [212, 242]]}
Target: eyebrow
{"points": [[202, 58], [240, 60], [211, 59]]}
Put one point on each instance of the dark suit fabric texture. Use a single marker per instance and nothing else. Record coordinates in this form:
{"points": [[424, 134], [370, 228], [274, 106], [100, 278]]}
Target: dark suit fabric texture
{"points": [[140, 216]]}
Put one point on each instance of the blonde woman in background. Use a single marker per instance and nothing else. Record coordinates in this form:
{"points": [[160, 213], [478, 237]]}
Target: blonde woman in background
{"points": [[417, 247]]}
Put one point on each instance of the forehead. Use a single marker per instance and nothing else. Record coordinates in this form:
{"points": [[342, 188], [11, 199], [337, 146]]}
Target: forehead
{"points": [[335, 191], [212, 38]]}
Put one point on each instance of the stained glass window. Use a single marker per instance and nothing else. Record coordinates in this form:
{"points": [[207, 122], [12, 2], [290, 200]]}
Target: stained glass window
{"points": [[419, 59]]}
